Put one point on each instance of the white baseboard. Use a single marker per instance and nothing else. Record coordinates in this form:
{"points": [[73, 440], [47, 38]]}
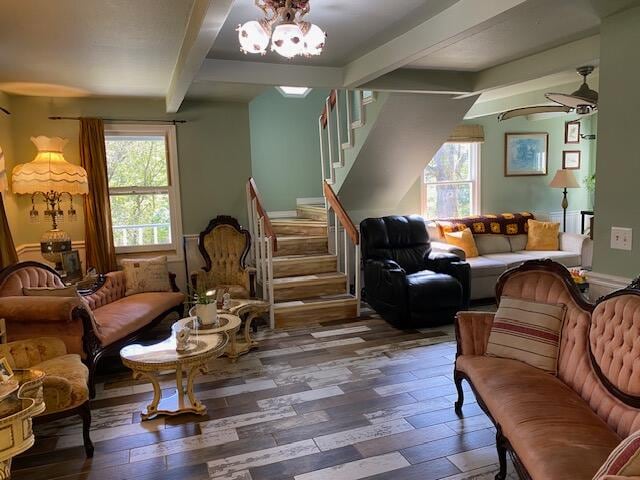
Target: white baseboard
{"points": [[310, 201], [602, 284]]}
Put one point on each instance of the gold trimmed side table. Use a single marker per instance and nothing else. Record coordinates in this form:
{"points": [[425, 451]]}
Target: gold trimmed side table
{"points": [[229, 326], [248, 310], [148, 361], [18, 406]]}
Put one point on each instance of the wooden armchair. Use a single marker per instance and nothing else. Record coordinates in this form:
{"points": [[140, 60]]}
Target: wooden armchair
{"points": [[224, 246]]}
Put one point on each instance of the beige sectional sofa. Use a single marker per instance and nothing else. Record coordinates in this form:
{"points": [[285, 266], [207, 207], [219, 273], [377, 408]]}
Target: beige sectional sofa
{"points": [[498, 253]]}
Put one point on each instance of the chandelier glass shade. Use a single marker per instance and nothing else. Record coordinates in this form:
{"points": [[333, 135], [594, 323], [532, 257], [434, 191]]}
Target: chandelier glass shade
{"points": [[284, 28]]}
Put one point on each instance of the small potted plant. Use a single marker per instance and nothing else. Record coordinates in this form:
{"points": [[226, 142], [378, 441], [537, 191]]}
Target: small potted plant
{"points": [[590, 185], [204, 306]]}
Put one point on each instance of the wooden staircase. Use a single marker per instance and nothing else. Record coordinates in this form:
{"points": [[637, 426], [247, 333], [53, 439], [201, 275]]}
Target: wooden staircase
{"points": [[307, 284]]}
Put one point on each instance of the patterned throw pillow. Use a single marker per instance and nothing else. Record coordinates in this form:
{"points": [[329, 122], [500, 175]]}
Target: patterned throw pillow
{"points": [[623, 461], [146, 275], [527, 331]]}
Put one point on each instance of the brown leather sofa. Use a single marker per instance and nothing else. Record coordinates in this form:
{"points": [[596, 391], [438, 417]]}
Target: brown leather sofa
{"points": [[564, 426], [117, 319]]}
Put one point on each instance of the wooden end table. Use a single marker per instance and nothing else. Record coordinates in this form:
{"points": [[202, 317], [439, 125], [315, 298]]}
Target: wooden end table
{"points": [[148, 361]]}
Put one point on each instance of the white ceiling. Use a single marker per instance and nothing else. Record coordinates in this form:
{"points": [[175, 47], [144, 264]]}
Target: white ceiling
{"points": [[535, 27], [353, 27], [169, 48], [92, 47]]}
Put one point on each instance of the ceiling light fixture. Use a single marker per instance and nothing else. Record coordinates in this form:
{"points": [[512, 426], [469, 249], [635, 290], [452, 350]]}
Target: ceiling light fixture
{"points": [[283, 25]]}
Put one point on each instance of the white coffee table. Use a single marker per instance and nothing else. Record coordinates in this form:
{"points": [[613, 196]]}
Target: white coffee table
{"points": [[148, 361]]}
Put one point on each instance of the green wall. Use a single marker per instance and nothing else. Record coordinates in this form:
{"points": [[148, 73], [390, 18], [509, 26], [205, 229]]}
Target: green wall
{"points": [[618, 175], [285, 147], [213, 153], [506, 194]]}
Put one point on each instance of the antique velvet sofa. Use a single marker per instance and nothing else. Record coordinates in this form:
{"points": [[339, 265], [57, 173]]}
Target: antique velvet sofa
{"points": [[117, 319], [564, 426]]}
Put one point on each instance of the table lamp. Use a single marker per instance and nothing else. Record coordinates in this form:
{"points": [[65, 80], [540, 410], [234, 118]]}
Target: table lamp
{"points": [[50, 176], [564, 179]]}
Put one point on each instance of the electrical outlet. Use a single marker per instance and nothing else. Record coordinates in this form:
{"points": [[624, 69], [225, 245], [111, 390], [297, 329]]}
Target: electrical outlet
{"points": [[621, 238]]}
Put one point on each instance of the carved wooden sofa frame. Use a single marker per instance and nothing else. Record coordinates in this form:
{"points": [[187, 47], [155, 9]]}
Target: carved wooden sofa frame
{"points": [[91, 345], [503, 445]]}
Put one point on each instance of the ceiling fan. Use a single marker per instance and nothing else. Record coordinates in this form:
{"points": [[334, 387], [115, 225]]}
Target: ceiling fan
{"points": [[583, 101]]}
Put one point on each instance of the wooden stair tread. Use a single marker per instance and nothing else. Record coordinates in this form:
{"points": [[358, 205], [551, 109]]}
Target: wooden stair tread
{"points": [[299, 238], [309, 279], [299, 221], [316, 301], [312, 257]]}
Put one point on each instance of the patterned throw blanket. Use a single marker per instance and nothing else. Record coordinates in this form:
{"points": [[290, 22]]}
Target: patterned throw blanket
{"points": [[504, 223]]}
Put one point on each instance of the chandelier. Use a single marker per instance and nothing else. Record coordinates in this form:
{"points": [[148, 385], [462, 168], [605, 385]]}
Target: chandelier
{"points": [[283, 25]]}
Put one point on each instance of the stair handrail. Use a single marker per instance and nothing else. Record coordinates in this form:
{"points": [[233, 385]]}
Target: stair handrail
{"points": [[254, 194], [331, 101], [346, 222]]}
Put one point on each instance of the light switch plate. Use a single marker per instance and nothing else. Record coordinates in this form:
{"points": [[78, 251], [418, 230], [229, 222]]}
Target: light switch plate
{"points": [[621, 238]]}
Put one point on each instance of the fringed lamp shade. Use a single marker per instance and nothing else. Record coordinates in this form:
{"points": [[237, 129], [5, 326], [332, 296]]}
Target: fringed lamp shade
{"points": [[49, 171]]}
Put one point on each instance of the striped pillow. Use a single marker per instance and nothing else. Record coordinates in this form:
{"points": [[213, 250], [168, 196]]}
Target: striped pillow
{"points": [[527, 331], [624, 460]]}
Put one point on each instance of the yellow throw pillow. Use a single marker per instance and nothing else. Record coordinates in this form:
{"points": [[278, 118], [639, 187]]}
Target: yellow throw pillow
{"points": [[464, 240], [542, 235]]}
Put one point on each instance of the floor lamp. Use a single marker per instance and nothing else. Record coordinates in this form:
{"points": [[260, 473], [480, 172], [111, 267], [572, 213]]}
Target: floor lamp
{"points": [[564, 179]]}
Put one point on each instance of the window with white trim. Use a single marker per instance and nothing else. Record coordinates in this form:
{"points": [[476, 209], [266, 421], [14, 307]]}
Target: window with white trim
{"points": [[143, 187], [451, 182]]}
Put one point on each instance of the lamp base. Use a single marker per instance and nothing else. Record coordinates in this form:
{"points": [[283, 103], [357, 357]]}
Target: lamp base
{"points": [[52, 244]]}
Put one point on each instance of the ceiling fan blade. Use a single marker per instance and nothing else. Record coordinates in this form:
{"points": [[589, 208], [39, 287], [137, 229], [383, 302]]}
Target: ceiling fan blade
{"points": [[523, 112]]}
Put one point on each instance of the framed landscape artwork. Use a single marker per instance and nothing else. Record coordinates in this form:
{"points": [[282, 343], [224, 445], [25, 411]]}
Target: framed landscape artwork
{"points": [[572, 132], [525, 154], [571, 159]]}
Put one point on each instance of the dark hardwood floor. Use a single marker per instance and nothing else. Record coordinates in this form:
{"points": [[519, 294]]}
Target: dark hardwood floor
{"points": [[335, 400]]}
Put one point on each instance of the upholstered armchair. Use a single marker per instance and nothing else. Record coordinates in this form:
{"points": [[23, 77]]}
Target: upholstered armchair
{"points": [[224, 246], [404, 281], [64, 387]]}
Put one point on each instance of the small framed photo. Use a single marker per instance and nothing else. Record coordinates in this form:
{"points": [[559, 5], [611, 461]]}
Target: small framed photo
{"points": [[571, 160], [5, 370], [525, 154], [71, 265], [572, 132]]}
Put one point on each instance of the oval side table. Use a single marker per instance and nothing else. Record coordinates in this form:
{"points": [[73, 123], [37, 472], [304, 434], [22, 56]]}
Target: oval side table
{"points": [[148, 361]]}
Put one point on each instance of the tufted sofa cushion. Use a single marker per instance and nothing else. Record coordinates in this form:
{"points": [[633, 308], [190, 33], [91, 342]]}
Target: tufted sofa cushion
{"points": [[113, 289], [28, 277], [126, 315], [574, 364], [614, 339]]}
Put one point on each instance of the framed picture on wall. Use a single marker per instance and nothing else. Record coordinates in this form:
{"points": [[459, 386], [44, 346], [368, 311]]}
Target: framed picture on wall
{"points": [[571, 159], [572, 132], [71, 265], [525, 154]]}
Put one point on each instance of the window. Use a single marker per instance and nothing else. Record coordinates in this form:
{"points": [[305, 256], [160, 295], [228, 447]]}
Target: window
{"points": [[143, 187], [451, 186]]}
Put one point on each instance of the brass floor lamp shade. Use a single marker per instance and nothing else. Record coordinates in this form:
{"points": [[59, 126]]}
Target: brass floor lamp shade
{"points": [[564, 179], [52, 178]]}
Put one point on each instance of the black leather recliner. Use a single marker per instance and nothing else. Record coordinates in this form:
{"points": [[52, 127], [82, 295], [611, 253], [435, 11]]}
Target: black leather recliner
{"points": [[404, 281]]}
